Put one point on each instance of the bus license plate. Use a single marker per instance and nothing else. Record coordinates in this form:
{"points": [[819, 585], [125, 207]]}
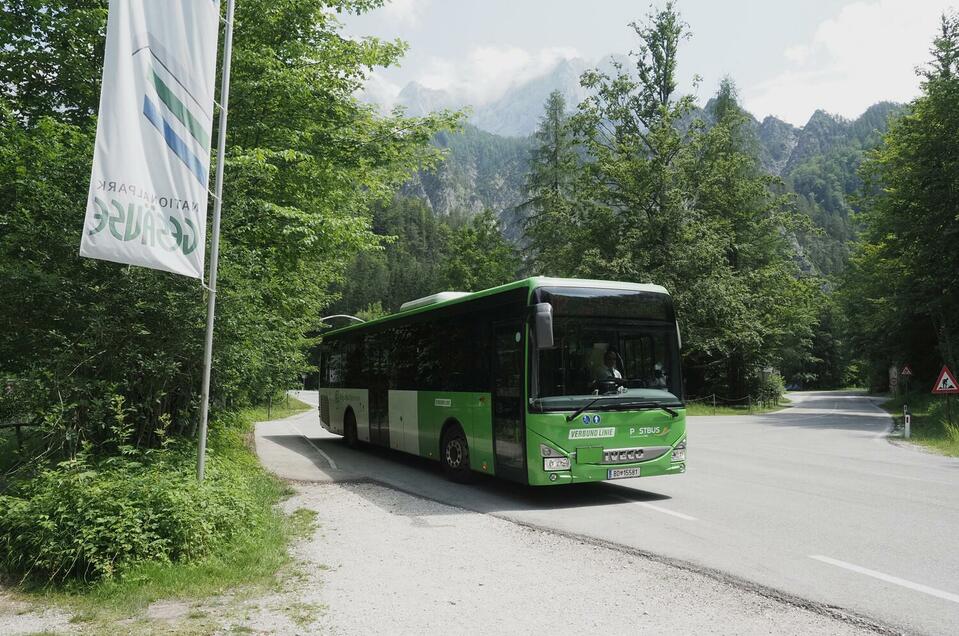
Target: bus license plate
{"points": [[622, 473]]}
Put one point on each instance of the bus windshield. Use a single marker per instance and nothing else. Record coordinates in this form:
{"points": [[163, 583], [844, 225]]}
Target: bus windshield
{"points": [[629, 361]]}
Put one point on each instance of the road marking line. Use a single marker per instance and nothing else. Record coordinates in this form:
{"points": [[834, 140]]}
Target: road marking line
{"points": [[319, 450], [657, 508], [665, 510], [925, 589]]}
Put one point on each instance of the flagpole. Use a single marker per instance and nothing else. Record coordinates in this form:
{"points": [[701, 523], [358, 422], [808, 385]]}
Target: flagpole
{"points": [[215, 241]]}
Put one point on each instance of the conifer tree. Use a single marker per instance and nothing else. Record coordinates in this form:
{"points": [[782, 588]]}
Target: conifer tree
{"points": [[550, 186]]}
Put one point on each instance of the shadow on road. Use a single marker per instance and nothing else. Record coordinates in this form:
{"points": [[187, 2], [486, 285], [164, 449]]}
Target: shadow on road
{"points": [[842, 410], [424, 478]]}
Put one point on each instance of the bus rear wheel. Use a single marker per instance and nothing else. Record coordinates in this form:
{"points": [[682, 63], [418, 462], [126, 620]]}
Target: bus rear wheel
{"points": [[455, 455], [349, 429]]}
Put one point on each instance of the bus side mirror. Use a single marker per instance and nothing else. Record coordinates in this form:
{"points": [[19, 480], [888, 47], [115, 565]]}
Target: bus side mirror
{"points": [[544, 325], [679, 337]]}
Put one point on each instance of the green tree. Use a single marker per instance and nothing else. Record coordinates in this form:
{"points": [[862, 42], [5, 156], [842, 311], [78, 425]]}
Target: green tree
{"points": [[768, 309], [51, 61], [306, 162], [479, 257], [901, 291], [671, 198], [550, 187], [422, 254]]}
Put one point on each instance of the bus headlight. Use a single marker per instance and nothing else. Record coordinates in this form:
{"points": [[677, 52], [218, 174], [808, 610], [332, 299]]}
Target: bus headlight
{"points": [[556, 463], [679, 453]]}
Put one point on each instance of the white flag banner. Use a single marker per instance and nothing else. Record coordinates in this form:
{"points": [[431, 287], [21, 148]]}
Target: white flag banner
{"points": [[148, 192]]}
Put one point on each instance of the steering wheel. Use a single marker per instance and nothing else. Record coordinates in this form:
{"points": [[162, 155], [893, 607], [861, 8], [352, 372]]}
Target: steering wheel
{"points": [[607, 386]]}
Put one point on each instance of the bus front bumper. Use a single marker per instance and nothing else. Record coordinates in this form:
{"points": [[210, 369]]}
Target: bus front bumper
{"points": [[581, 471]]}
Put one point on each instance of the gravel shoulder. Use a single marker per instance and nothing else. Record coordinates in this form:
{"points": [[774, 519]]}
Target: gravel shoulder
{"points": [[21, 617], [385, 562], [382, 561]]}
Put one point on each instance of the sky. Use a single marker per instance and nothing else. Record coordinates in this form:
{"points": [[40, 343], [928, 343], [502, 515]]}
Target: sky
{"points": [[788, 58]]}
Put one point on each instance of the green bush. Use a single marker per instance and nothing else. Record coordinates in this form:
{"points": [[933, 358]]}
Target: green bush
{"points": [[89, 520], [769, 387]]}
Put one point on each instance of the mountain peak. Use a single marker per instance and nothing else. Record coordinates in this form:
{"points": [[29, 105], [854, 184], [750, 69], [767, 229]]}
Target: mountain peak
{"points": [[420, 100]]}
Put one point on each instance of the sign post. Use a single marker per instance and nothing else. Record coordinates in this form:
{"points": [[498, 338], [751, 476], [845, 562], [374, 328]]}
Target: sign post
{"points": [[149, 185], [215, 240], [946, 385], [905, 374]]}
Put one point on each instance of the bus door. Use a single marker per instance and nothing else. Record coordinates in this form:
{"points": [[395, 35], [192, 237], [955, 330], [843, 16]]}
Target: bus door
{"points": [[509, 433], [378, 383]]}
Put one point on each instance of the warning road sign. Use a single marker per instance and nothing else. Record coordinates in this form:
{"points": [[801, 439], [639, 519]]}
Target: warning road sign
{"points": [[906, 370], [946, 382]]}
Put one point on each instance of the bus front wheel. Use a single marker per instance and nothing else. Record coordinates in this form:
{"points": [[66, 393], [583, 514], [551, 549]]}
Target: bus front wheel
{"points": [[455, 455]]}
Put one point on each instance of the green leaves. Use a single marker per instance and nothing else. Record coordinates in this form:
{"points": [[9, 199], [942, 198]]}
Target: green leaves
{"points": [[306, 162], [93, 520], [661, 196], [901, 290]]}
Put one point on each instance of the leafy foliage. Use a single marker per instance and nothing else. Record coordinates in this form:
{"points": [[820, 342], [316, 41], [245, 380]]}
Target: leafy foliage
{"points": [[663, 197], [550, 187], [424, 254], [89, 519], [901, 291], [306, 162], [478, 257]]}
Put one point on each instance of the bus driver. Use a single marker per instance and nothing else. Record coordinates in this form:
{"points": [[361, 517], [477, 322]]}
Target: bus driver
{"points": [[608, 371]]}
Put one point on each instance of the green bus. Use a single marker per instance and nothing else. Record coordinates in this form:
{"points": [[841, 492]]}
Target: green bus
{"points": [[541, 381]]}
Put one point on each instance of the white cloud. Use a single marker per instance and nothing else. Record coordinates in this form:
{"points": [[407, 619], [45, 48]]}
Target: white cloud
{"points": [[380, 91], [488, 71], [866, 53], [406, 12]]}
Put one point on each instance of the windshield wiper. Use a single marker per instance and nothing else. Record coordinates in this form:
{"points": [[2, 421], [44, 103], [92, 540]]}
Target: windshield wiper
{"points": [[578, 412], [654, 405], [639, 405]]}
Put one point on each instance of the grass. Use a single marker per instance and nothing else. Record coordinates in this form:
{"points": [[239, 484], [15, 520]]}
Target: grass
{"points": [[284, 405], [702, 408], [930, 424], [249, 562]]}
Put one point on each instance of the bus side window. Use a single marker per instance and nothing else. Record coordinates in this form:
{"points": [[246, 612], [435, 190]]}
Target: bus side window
{"points": [[427, 355], [403, 368], [353, 367], [457, 367], [331, 364], [480, 352]]}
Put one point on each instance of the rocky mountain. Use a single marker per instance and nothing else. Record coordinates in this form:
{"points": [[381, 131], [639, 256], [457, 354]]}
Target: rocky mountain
{"points": [[419, 100], [481, 171], [516, 113], [486, 162], [823, 171], [777, 142]]}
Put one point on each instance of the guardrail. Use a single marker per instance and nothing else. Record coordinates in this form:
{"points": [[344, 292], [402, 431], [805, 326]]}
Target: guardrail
{"points": [[749, 401]]}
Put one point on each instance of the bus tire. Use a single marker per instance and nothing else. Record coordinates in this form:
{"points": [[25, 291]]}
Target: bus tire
{"points": [[349, 429], [455, 455]]}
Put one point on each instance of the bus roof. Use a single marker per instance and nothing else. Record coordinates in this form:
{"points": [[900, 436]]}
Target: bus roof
{"points": [[531, 283]]}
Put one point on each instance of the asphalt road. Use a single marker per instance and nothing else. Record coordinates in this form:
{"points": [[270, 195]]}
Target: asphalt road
{"points": [[812, 501]]}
